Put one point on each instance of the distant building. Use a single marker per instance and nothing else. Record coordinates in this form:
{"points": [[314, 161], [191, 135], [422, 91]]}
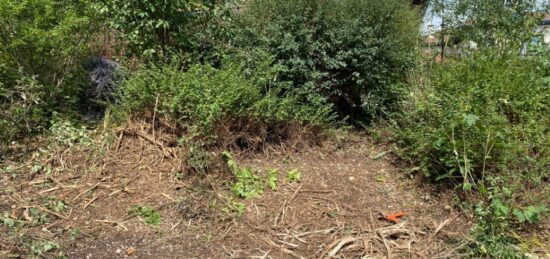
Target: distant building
{"points": [[544, 28]]}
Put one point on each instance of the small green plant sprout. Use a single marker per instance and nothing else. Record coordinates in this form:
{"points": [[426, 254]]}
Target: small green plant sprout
{"points": [[234, 207], [148, 214], [74, 233], [272, 179], [248, 183], [332, 213], [294, 176], [54, 204], [6, 220], [39, 248], [530, 214]]}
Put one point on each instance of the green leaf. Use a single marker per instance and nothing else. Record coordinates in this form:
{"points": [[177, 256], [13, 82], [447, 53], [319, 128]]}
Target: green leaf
{"points": [[294, 175], [519, 215], [471, 119]]}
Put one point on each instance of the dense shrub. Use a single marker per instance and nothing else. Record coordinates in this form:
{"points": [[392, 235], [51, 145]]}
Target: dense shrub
{"points": [[482, 123], [350, 53], [41, 46], [201, 98], [481, 116]]}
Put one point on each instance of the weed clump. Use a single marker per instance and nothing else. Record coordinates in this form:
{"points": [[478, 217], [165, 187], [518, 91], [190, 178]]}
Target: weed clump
{"points": [[149, 215], [248, 184]]}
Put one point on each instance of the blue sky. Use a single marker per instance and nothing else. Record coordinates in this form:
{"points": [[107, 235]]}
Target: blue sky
{"points": [[431, 20]]}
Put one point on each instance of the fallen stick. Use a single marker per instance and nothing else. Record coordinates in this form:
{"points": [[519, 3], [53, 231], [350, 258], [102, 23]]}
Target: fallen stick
{"points": [[87, 190], [441, 226], [49, 190], [283, 249], [343, 242], [388, 249], [285, 204], [48, 211], [166, 152], [119, 142], [318, 191], [324, 231], [288, 244], [90, 202], [112, 222]]}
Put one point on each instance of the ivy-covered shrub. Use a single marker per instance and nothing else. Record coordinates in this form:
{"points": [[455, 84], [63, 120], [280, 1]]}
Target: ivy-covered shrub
{"points": [[353, 54]]}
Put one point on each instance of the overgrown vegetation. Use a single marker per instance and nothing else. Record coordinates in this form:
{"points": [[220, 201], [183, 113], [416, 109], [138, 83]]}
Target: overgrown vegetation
{"points": [[474, 123], [350, 54], [474, 118], [42, 45], [203, 99], [481, 121], [159, 29], [232, 75]]}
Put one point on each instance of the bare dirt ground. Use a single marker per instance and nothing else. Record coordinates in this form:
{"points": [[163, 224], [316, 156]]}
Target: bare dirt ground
{"points": [[338, 209]]}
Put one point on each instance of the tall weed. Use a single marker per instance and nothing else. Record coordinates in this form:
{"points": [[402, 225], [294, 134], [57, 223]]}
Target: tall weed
{"points": [[482, 123]]}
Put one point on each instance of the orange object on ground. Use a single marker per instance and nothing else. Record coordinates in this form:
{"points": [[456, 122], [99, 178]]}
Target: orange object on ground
{"points": [[395, 217]]}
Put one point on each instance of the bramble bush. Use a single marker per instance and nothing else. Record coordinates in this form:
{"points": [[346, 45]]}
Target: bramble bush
{"points": [[352, 54]]}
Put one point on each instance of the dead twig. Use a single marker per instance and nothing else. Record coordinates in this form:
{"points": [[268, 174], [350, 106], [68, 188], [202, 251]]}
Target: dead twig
{"points": [[388, 249], [283, 249], [90, 202], [46, 210], [322, 231], [119, 142], [338, 244], [441, 226], [318, 191], [49, 190], [87, 190], [112, 222], [166, 152], [285, 204]]}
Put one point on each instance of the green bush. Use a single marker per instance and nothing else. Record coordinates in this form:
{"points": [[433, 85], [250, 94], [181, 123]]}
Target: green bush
{"points": [[160, 29], [482, 123], [350, 53], [204, 98], [41, 47], [481, 116]]}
